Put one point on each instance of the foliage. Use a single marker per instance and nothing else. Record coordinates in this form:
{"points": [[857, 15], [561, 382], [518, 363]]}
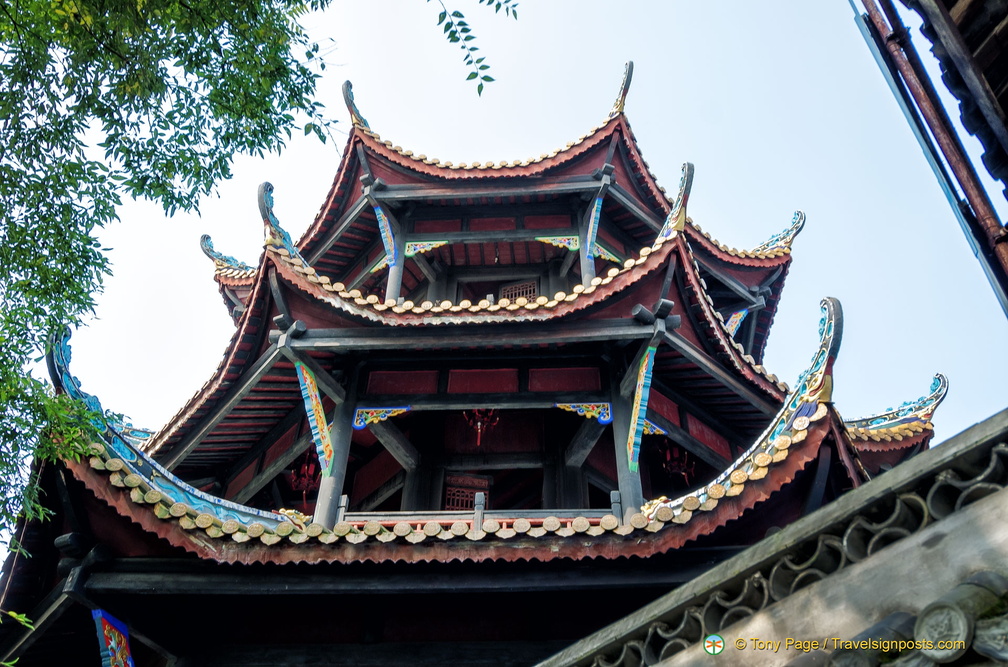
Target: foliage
{"points": [[103, 99], [457, 31], [106, 99], [17, 618]]}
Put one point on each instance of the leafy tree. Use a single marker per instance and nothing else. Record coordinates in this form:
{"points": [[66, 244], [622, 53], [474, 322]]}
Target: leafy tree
{"points": [[105, 99]]}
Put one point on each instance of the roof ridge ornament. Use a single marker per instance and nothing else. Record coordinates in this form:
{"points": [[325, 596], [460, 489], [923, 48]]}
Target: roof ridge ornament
{"points": [[220, 260], [620, 102], [917, 410], [783, 240], [803, 406], [355, 115], [676, 220], [276, 236]]}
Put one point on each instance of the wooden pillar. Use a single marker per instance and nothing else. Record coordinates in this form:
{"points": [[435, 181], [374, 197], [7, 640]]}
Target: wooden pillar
{"points": [[550, 495], [341, 433], [436, 288], [572, 492], [554, 282], [416, 495], [629, 482], [437, 477]]}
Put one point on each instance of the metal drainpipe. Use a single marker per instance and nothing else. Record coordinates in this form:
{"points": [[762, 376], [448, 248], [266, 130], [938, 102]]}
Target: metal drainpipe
{"points": [[937, 121]]}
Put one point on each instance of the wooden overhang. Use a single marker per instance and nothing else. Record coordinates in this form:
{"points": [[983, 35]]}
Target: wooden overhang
{"points": [[232, 428], [968, 39], [159, 503], [750, 280], [345, 234]]}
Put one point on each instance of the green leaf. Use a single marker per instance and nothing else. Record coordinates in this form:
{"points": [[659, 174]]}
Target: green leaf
{"points": [[472, 75]]}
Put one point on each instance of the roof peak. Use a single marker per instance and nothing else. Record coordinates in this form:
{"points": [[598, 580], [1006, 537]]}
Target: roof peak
{"points": [[620, 102], [355, 115]]}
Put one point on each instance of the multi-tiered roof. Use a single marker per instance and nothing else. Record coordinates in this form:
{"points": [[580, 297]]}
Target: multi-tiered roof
{"points": [[539, 360]]}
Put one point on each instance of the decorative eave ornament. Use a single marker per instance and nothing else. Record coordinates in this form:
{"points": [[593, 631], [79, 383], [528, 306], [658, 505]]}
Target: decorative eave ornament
{"points": [[355, 115], [909, 416], [676, 220], [620, 102], [221, 261], [783, 240], [808, 403], [276, 236]]}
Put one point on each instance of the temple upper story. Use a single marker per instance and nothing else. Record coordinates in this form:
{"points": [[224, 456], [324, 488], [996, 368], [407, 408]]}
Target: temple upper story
{"points": [[535, 359]]}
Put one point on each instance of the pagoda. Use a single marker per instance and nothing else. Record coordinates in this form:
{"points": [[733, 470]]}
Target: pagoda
{"points": [[476, 412]]}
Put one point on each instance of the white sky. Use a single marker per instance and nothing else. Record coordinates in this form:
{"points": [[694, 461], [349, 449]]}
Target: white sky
{"points": [[778, 104]]}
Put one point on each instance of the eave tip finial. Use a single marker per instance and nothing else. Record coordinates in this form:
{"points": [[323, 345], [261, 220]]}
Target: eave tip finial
{"points": [[676, 220], [783, 240], [355, 115], [620, 103]]}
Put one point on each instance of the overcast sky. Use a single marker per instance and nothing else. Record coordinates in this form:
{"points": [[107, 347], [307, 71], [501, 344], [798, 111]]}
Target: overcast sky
{"points": [[778, 104]]}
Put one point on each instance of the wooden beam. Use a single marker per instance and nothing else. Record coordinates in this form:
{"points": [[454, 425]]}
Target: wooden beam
{"points": [[343, 341], [627, 201], [367, 270], [235, 394], [501, 236], [691, 352], [402, 193], [425, 267], [512, 272], [383, 492], [748, 295], [568, 262], [687, 441], [337, 230], [326, 382], [278, 465], [583, 442], [973, 76], [396, 443], [491, 462], [701, 412], [45, 613], [293, 418], [284, 319], [499, 401]]}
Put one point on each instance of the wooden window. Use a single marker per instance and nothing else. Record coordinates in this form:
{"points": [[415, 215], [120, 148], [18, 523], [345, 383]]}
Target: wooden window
{"points": [[461, 490], [526, 288]]}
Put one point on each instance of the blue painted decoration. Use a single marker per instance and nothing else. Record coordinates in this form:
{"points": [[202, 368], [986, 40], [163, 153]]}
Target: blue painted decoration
{"points": [[276, 235], [113, 640], [316, 416], [137, 462], [676, 219], [783, 240], [365, 416], [388, 240], [593, 225], [735, 320], [639, 409], [600, 411]]}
